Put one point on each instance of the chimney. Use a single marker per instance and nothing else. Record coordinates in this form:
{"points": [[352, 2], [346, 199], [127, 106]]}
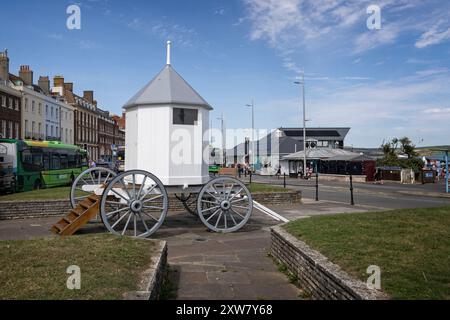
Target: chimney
{"points": [[4, 66], [89, 96], [26, 74], [58, 81], [68, 86], [44, 84]]}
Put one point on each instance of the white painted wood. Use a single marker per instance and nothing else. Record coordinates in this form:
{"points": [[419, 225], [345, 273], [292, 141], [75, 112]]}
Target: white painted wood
{"points": [[174, 153]]}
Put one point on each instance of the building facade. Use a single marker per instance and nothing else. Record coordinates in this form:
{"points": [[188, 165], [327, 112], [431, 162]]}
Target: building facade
{"points": [[10, 102], [10, 111], [85, 116], [119, 130], [106, 131], [33, 102]]}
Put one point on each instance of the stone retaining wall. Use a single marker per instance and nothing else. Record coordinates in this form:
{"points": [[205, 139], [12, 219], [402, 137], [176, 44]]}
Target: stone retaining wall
{"points": [[152, 279], [45, 208], [317, 276]]}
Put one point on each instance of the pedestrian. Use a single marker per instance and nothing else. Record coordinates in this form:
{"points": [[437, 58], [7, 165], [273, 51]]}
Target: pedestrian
{"points": [[279, 171]]}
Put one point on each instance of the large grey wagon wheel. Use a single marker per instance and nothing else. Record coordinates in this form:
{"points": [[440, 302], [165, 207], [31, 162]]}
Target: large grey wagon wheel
{"points": [[135, 203], [87, 182], [224, 204]]}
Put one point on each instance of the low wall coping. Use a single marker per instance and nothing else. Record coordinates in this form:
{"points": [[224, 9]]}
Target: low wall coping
{"points": [[357, 288], [152, 278]]}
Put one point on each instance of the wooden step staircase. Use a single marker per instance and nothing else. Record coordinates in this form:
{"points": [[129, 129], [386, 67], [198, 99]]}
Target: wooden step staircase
{"points": [[78, 216]]}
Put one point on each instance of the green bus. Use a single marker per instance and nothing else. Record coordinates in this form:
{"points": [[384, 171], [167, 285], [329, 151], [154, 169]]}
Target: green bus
{"points": [[30, 165]]}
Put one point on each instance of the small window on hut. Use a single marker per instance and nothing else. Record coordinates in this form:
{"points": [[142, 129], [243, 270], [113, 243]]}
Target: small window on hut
{"points": [[185, 116]]}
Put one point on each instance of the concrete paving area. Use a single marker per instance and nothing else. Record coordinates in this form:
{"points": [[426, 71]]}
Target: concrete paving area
{"points": [[208, 265]]}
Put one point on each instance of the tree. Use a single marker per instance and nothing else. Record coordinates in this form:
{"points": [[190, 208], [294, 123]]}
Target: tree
{"points": [[407, 147], [392, 148]]}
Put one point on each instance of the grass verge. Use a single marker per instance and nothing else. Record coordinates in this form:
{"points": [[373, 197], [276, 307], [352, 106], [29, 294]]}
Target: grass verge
{"points": [[36, 269], [43, 194], [411, 246], [262, 187]]}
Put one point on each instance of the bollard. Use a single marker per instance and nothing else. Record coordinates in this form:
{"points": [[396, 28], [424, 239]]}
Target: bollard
{"points": [[284, 180], [317, 186], [352, 201]]}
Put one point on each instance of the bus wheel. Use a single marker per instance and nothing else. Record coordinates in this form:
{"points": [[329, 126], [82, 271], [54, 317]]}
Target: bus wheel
{"points": [[37, 185]]}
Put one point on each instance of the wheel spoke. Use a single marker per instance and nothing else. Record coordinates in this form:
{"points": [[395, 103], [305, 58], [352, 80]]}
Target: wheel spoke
{"points": [[143, 221], [239, 200], [135, 229], [232, 218], [115, 203], [218, 219], [126, 189], [120, 219], [106, 179], [236, 194], [134, 186], [212, 208], [126, 224], [225, 218], [153, 207], [215, 212], [147, 192], [116, 211], [212, 195], [149, 215], [213, 202], [151, 199], [127, 200], [140, 189], [229, 193], [238, 213]]}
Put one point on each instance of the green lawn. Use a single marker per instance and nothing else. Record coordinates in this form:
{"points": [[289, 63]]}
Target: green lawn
{"points": [[262, 187], [411, 246], [43, 194], [36, 269]]}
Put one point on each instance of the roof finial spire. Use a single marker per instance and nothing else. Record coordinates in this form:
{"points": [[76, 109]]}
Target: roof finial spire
{"points": [[168, 53]]}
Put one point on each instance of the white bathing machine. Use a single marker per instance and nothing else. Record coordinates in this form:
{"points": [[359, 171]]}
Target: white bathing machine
{"points": [[166, 131], [166, 152]]}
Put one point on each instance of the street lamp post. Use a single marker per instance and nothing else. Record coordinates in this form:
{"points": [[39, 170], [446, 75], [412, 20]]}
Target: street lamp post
{"points": [[222, 119], [253, 132], [304, 122]]}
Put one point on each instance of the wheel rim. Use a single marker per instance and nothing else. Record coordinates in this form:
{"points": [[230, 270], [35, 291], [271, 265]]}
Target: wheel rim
{"points": [[87, 180], [224, 204], [135, 203]]}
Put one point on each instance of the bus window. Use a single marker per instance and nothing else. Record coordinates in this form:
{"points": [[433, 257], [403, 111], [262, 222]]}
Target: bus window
{"points": [[55, 162], [71, 158], [37, 158], [27, 160], [46, 161], [64, 161]]}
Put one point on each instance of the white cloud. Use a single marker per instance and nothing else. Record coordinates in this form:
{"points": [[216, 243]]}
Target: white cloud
{"points": [[435, 35], [437, 111], [287, 24], [432, 72]]}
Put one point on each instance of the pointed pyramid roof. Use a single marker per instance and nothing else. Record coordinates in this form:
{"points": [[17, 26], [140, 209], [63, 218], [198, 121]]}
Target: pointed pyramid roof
{"points": [[168, 87]]}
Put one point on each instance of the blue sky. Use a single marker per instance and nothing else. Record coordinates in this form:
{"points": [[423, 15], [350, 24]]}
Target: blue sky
{"points": [[382, 83]]}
